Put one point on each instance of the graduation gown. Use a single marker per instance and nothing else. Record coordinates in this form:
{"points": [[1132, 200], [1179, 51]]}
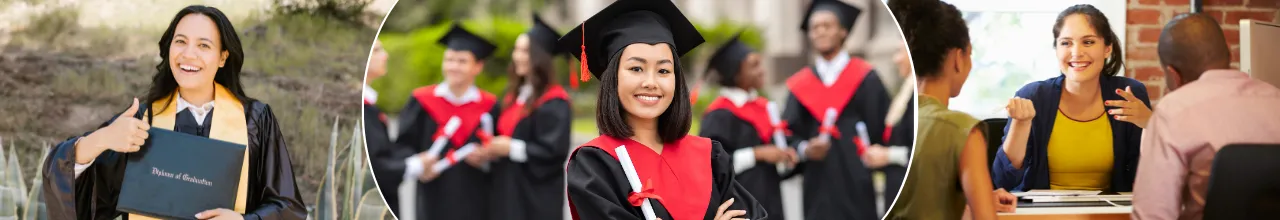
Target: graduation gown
{"points": [[901, 134], [273, 193], [533, 187], [386, 159], [839, 186], [743, 128], [688, 180], [462, 191]]}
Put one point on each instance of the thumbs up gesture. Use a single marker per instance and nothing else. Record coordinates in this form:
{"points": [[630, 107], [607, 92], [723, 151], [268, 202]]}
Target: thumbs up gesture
{"points": [[125, 134]]}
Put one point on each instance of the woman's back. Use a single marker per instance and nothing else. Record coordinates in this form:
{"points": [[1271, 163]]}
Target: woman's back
{"points": [[933, 188]]}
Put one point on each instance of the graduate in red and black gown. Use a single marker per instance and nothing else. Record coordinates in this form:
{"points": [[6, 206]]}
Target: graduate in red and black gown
{"points": [[740, 121], [462, 190], [645, 165], [386, 158], [532, 145], [837, 182]]}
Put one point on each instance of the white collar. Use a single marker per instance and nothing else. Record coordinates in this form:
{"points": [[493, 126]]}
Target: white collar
{"points": [[737, 96], [526, 90], [199, 113], [370, 95], [829, 70], [471, 95]]}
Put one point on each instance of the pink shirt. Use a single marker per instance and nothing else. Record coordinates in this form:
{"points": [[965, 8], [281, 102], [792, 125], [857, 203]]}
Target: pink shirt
{"points": [[1187, 128]]}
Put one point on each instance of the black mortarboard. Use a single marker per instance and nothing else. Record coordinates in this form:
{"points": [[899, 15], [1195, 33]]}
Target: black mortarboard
{"points": [[728, 59], [459, 38], [543, 36], [847, 14], [626, 22]]}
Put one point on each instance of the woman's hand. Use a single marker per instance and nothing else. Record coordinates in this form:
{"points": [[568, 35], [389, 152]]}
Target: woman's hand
{"points": [[499, 146], [1021, 110], [876, 157], [1005, 201], [1131, 109], [773, 154], [125, 134], [428, 171], [219, 214], [817, 149], [722, 214]]}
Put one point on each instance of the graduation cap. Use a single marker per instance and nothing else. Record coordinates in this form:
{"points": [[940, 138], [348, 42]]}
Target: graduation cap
{"points": [[543, 36], [728, 59], [625, 22], [847, 14], [459, 38]]}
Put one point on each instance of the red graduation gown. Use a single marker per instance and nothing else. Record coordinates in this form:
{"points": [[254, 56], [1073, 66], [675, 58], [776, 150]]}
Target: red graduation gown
{"points": [[533, 189], [462, 191], [839, 186], [692, 177], [746, 127]]}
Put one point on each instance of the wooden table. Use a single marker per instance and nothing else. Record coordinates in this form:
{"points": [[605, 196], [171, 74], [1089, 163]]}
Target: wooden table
{"points": [[1056, 213]]}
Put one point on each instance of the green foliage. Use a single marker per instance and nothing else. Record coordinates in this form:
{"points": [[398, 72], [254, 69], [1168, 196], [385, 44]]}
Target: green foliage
{"points": [[414, 59]]}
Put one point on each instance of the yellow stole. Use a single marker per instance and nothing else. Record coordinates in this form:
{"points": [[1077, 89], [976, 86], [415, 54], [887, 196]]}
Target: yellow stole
{"points": [[228, 124]]}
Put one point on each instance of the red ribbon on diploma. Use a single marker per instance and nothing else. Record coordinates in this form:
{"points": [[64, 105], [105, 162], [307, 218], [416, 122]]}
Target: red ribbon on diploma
{"points": [[782, 126], [862, 147], [448, 156], [637, 198], [484, 138], [835, 133]]}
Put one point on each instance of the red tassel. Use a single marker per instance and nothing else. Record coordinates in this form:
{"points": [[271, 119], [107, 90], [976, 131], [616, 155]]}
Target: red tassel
{"points": [[693, 96], [582, 69], [573, 75]]}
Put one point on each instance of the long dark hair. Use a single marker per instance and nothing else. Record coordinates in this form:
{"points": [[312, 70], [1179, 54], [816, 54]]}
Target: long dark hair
{"points": [[163, 84], [931, 28], [1099, 23], [540, 78], [673, 124]]}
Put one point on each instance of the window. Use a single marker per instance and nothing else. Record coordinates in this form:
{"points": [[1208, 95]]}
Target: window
{"points": [[1012, 46]]}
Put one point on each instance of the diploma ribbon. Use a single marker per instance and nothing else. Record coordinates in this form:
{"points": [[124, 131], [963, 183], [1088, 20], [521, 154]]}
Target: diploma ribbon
{"points": [[637, 198]]}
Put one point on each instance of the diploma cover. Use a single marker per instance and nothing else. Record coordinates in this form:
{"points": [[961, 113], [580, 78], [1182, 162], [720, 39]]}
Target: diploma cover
{"points": [[176, 175]]}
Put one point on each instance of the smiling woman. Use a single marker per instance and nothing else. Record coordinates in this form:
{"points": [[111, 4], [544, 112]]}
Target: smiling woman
{"points": [[645, 164], [199, 73]]}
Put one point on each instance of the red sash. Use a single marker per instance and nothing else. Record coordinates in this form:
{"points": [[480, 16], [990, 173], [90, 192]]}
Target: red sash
{"points": [[755, 112], [681, 176], [817, 97], [441, 110], [514, 113]]}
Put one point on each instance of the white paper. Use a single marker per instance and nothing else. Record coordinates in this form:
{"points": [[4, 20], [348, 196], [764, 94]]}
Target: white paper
{"points": [[780, 138], [458, 155], [828, 121], [634, 178], [450, 128], [1046, 192]]}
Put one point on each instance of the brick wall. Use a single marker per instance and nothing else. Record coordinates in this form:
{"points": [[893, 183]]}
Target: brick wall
{"points": [[1147, 17]]}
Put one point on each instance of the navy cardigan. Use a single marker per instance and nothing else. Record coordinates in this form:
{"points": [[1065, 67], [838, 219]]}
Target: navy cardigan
{"points": [[1044, 95]]}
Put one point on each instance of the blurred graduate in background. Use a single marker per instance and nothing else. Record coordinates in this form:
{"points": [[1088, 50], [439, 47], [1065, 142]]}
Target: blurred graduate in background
{"points": [[742, 122], [443, 123], [532, 145]]}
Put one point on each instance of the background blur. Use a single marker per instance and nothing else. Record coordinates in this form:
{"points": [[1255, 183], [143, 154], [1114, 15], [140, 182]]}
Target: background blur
{"points": [[67, 66], [772, 27]]}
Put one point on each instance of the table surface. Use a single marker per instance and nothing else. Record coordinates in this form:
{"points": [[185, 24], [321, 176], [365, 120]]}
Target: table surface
{"points": [[1052, 213]]}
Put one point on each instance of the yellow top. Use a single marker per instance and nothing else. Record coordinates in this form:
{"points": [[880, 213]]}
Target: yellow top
{"points": [[1080, 154]]}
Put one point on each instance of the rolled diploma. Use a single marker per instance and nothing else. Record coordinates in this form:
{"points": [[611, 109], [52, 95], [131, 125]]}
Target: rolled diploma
{"points": [[450, 128], [486, 124], [632, 177], [780, 139], [458, 155]]}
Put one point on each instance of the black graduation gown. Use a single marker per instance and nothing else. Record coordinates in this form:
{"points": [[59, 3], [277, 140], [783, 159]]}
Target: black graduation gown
{"points": [[273, 193], [902, 134], [386, 159], [840, 186], [735, 133], [598, 188], [534, 188], [460, 192]]}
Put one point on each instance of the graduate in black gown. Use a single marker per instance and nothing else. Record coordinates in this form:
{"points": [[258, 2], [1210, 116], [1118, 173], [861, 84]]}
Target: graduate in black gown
{"points": [[196, 90], [532, 145], [741, 122], [388, 159], [462, 190], [837, 182], [899, 133], [645, 165]]}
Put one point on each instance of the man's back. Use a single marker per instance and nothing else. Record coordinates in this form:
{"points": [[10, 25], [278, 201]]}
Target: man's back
{"points": [[1188, 127]]}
